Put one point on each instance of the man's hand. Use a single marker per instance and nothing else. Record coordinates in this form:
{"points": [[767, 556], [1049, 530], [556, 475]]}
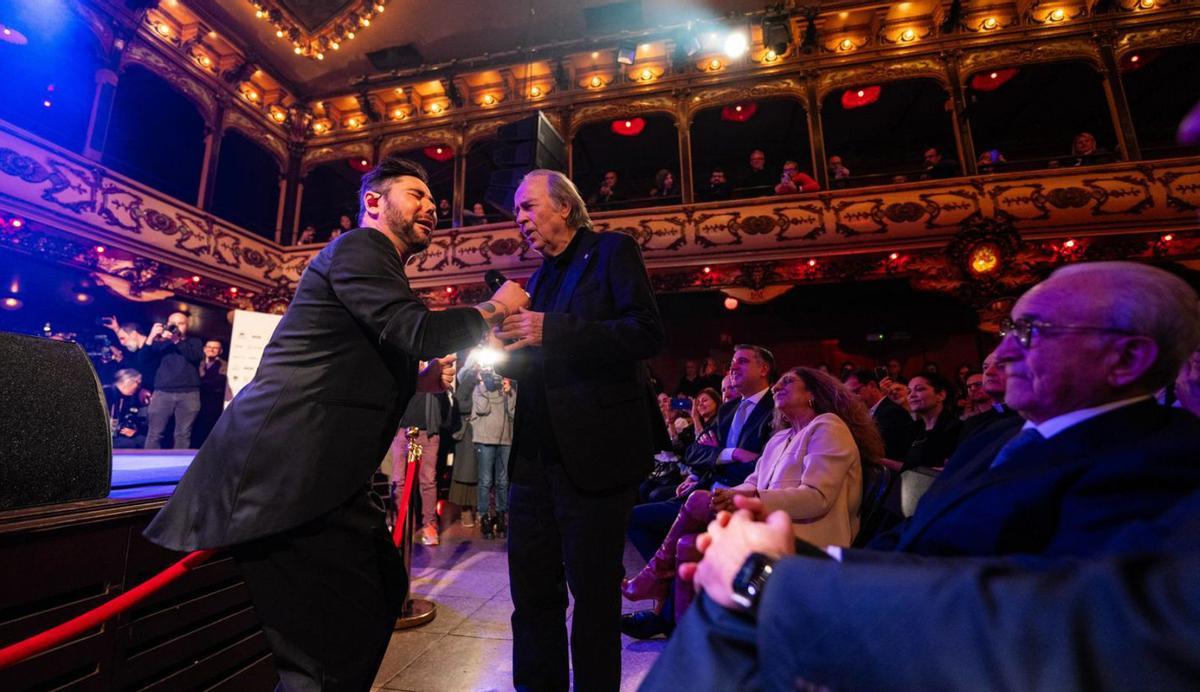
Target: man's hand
{"points": [[525, 328], [708, 439], [127, 432], [723, 499], [155, 332], [505, 302], [729, 541], [438, 376], [686, 486], [110, 323]]}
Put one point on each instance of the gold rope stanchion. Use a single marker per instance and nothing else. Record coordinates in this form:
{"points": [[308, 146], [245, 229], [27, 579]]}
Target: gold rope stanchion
{"points": [[416, 611]]}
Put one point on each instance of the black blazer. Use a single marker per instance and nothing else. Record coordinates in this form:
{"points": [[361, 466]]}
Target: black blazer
{"points": [[1064, 497], [324, 405], [982, 421], [603, 325], [753, 437], [896, 427]]}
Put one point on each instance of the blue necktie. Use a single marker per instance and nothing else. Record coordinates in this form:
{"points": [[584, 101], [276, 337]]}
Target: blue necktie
{"points": [[1026, 439], [739, 420]]}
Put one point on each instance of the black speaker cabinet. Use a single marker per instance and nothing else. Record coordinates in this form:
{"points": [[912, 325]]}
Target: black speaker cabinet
{"points": [[55, 440]]}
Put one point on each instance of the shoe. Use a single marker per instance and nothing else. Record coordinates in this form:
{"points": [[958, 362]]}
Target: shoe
{"points": [[487, 526], [501, 525], [645, 624], [468, 518], [654, 581], [429, 534]]}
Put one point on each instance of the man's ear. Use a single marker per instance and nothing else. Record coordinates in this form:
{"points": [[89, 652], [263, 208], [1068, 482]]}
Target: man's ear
{"points": [[1135, 356], [371, 203]]}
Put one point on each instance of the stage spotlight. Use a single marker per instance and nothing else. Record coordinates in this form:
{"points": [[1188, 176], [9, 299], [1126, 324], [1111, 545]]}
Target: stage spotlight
{"points": [[626, 52], [736, 44]]}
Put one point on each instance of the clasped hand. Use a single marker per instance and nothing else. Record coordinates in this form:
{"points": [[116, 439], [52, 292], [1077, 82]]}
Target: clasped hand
{"points": [[438, 375], [521, 329]]}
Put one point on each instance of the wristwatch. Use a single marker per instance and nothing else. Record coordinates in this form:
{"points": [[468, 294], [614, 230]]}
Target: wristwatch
{"points": [[751, 579]]}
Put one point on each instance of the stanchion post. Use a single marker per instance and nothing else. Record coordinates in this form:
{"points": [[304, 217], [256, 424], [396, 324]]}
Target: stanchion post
{"points": [[416, 611]]}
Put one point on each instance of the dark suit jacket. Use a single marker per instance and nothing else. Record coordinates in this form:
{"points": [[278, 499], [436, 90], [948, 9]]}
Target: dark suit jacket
{"points": [[896, 427], [324, 405], [982, 421], [1129, 619], [1064, 497], [753, 437], [603, 325]]}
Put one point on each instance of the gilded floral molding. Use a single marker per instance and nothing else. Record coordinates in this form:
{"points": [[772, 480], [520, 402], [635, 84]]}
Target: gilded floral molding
{"points": [[1077, 48], [787, 87], [69, 193], [333, 152], [881, 72], [1159, 37], [414, 139], [655, 103]]}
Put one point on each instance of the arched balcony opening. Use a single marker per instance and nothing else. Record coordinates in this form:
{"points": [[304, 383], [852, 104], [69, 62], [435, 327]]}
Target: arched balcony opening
{"points": [[247, 187], [437, 158], [635, 149], [889, 133], [49, 61], [739, 149], [1161, 86], [480, 166], [155, 135], [1029, 116], [330, 191]]}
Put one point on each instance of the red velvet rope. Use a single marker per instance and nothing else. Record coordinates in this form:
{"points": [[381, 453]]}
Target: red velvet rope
{"points": [[56, 636], [410, 472]]}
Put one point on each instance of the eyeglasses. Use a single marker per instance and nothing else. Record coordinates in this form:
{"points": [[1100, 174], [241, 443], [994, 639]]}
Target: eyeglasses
{"points": [[974, 385], [1025, 330]]}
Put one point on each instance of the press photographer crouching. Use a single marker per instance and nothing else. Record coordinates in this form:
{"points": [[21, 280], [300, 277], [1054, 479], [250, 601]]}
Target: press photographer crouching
{"points": [[176, 381], [128, 406]]}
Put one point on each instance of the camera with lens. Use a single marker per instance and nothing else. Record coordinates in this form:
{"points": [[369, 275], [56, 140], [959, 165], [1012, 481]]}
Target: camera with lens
{"points": [[170, 330]]}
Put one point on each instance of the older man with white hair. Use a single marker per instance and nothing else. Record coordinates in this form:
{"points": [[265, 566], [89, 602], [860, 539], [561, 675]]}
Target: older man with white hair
{"points": [[1084, 352]]}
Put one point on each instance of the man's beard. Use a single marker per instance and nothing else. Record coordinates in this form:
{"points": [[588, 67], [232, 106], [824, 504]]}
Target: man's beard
{"points": [[405, 230]]}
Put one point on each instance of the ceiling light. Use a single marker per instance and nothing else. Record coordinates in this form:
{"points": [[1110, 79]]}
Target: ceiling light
{"points": [[595, 53], [335, 45], [908, 35], [736, 44], [488, 99], [350, 35], [714, 64], [1145, 4], [162, 29], [320, 55], [12, 303], [379, 7], [1057, 15], [846, 44], [436, 108], [990, 23], [297, 50], [398, 113], [535, 91], [771, 56], [279, 33], [278, 115], [647, 75], [364, 21], [596, 82]]}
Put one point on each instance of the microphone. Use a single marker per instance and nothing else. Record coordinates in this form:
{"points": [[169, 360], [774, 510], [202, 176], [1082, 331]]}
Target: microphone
{"points": [[494, 279]]}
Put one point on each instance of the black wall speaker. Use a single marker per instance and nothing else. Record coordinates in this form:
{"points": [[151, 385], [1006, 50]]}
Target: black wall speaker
{"points": [[524, 145], [55, 440]]}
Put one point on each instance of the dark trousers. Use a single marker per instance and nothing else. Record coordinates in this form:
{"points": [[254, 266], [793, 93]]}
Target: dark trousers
{"points": [[183, 406], [327, 595], [560, 537], [650, 523]]}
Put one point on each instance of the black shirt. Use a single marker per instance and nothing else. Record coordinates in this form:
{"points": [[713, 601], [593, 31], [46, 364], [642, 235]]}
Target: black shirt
{"points": [[179, 367], [531, 430]]}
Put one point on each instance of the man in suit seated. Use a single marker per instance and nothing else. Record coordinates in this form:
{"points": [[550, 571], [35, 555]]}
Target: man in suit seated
{"points": [[995, 384], [894, 423], [1084, 353], [726, 456]]}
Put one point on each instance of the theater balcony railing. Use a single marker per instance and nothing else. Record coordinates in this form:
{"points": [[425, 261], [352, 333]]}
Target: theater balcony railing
{"points": [[981, 237]]}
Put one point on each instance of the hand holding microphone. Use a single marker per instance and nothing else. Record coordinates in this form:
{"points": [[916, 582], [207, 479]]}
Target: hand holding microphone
{"points": [[507, 299]]}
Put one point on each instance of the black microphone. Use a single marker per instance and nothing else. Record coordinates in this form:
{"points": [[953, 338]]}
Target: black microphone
{"points": [[494, 279]]}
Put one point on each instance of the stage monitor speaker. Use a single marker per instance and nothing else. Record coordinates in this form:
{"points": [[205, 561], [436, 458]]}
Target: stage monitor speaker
{"points": [[55, 439], [525, 145]]}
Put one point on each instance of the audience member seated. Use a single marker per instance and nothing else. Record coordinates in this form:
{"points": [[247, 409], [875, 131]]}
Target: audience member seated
{"points": [[1187, 385], [991, 161], [307, 236], [894, 423], [792, 180], [176, 381], [725, 454], [1097, 462], [977, 401], [664, 185], [1085, 152], [839, 175], [728, 391], [935, 430], [895, 370], [445, 214], [608, 194], [127, 405], [690, 382], [995, 382], [345, 223], [475, 216], [683, 431], [758, 181], [811, 469], [717, 187], [937, 166], [711, 375]]}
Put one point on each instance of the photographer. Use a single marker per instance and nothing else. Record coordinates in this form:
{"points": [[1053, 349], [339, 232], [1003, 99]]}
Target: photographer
{"points": [[127, 409], [176, 380], [494, 402]]}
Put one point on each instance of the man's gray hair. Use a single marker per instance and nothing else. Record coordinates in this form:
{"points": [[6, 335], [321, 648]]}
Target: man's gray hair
{"points": [[1149, 301], [125, 375], [563, 191]]}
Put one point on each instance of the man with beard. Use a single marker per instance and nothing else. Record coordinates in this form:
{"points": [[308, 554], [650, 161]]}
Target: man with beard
{"points": [[583, 436], [284, 478]]}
